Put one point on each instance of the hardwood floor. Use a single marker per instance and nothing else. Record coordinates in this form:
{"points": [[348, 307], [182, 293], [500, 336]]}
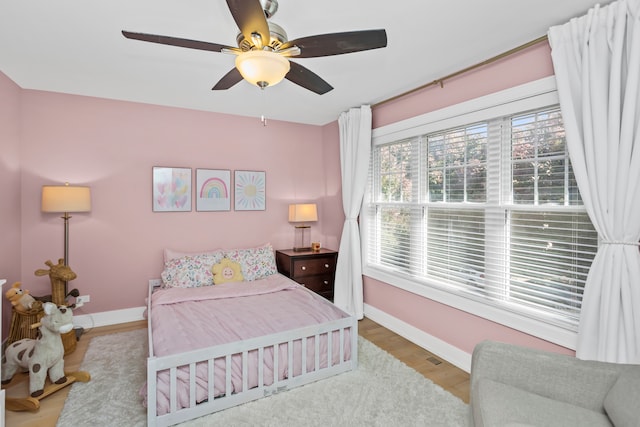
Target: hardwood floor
{"points": [[448, 376]]}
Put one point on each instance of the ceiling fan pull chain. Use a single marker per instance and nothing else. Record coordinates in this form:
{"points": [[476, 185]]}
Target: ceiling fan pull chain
{"points": [[263, 119]]}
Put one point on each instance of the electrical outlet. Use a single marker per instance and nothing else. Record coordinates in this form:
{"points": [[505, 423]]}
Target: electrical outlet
{"points": [[156, 283], [82, 300]]}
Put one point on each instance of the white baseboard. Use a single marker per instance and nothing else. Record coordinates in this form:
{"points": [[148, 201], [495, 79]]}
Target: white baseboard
{"points": [[451, 354], [106, 318]]}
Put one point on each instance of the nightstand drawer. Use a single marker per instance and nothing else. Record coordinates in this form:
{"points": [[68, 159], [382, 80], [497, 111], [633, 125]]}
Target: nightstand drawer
{"points": [[312, 267], [320, 284]]}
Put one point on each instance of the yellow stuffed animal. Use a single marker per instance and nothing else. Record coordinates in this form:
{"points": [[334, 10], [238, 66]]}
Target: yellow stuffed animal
{"points": [[226, 271], [20, 299]]}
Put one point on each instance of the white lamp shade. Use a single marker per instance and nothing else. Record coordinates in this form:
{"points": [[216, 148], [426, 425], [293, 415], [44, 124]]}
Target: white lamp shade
{"points": [[262, 67], [305, 212], [66, 198]]}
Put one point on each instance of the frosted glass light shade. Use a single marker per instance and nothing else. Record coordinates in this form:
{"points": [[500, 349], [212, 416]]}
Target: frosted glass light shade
{"points": [[262, 67], [66, 198]]}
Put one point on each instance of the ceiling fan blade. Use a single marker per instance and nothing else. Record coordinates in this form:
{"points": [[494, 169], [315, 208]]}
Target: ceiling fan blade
{"points": [[229, 80], [338, 43], [174, 41], [307, 79], [250, 18]]}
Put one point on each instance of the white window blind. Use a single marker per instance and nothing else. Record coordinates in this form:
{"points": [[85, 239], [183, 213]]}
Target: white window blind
{"points": [[488, 210]]}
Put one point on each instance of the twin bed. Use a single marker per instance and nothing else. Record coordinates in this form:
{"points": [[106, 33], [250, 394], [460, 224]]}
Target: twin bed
{"points": [[212, 347]]}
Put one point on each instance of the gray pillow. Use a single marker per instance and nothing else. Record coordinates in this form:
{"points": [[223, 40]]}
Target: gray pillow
{"points": [[622, 402]]}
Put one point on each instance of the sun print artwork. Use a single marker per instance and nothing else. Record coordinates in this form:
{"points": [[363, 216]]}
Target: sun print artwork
{"points": [[171, 189], [213, 191], [250, 190]]}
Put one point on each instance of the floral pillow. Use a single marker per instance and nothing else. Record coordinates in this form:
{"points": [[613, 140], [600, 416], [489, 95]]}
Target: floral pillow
{"points": [[257, 263], [190, 271]]}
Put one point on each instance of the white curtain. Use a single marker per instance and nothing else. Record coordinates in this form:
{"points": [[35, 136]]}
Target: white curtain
{"points": [[597, 65], [355, 149]]}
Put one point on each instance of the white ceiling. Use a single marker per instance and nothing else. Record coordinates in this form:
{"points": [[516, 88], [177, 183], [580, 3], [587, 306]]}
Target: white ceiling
{"points": [[76, 47]]}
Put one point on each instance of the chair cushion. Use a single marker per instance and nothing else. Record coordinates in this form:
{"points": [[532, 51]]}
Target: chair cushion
{"points": [[497, 404], [621, 403]]}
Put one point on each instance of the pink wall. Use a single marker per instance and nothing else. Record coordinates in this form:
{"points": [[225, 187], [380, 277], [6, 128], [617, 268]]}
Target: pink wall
{"points": [[10, 247], [50, 138], [453, 326], [112, 146]]}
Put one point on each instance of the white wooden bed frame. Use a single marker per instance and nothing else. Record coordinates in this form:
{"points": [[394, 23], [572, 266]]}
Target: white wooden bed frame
{"points": [[208, 355]]}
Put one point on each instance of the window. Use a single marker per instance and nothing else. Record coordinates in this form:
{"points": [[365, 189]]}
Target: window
{"points": [[487, 210]]}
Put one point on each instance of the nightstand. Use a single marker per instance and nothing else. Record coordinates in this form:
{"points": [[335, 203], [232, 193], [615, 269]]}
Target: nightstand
{"points": [[314, 270]]}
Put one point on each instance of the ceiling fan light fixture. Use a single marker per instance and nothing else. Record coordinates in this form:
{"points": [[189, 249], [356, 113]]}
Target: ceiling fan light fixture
{"points": [[262, 67]]}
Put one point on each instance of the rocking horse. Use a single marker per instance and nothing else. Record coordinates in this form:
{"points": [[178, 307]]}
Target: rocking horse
{"points": [[40, 357]]}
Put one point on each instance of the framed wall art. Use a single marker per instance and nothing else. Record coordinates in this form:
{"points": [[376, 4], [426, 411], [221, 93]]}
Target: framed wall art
{"points": [[250, 190], [171, 189], [213, 190]]}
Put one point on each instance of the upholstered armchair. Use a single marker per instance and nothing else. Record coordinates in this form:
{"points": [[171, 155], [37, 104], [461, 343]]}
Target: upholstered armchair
{"points": [[517, 386]]}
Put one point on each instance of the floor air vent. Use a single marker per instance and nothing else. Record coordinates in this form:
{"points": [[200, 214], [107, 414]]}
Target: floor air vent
{"points": [[434, 360]]}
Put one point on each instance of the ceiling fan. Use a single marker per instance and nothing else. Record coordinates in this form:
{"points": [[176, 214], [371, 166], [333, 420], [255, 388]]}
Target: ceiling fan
{"points": [[263, 48]]}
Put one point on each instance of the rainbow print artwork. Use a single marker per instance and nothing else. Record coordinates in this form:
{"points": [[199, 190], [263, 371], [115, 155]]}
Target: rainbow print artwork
{"points": [[214, 188]]}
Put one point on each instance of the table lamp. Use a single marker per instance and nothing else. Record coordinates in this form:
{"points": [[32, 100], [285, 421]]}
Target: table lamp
{"points": [[301, 214]]}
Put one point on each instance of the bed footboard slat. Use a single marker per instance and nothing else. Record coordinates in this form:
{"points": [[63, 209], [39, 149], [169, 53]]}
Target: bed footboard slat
{"points": [[317, 352], [173, 374], [228, 367], [276, 364], [261, 367], [329, 349], [290, 358], [211, 380], [192, 385], [304, 354], [245, 371]]}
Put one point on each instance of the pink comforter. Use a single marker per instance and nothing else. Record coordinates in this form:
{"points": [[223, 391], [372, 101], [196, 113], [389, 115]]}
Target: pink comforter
{"points": [[189, 319]]}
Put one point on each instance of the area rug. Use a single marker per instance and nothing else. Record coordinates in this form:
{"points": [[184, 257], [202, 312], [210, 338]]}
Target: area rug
{"points": [[382, 392]]}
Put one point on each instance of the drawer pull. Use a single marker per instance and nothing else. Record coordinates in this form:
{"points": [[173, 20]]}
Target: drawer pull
{"points": [[303, 267], [326, 266], [326, 282]]}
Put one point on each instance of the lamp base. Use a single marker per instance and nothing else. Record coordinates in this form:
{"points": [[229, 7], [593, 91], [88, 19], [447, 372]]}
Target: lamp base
{"points": [[302, 238]]}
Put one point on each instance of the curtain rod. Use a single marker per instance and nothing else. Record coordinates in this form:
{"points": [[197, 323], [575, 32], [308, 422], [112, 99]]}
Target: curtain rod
{"points": [[441, 80]]}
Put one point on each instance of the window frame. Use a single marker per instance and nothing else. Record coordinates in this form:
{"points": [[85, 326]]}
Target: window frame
{"points": [[530, 96]]}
